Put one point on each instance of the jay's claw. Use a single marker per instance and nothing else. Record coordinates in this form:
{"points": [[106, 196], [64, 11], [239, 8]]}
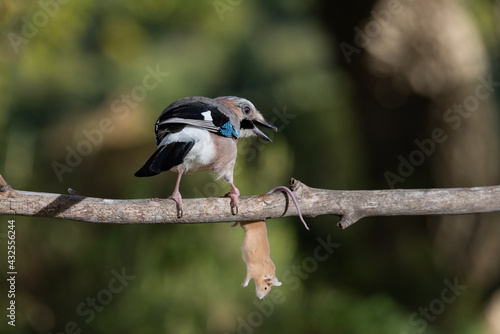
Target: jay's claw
{"points": [[176, 196], [234, 208], [180, 213], [234, 194], [234, 202]]}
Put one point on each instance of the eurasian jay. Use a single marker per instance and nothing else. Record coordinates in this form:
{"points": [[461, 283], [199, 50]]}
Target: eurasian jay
{"points": [[200, 134]]}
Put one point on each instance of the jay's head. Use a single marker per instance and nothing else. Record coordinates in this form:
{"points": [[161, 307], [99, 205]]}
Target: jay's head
{"points": [[248, 115]]}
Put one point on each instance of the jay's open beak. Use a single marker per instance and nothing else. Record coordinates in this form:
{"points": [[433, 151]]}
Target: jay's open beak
{"points": [[265, 124]]}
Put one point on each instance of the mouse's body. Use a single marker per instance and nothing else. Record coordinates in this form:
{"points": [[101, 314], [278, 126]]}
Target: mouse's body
{"points": [[256, 254]]}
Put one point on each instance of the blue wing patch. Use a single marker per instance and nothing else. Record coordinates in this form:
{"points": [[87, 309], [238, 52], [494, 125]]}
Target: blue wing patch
{"points": [[228, 130]]}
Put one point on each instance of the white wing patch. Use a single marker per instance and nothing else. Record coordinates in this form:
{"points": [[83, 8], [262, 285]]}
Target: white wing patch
{"points": [[202, 152], [207, 115]]}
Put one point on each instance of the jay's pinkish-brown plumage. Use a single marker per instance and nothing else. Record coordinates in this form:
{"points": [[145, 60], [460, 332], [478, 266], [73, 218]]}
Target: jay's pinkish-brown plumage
{"points": [[200, 134]]}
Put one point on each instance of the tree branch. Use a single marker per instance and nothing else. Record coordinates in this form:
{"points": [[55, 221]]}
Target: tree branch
{"points": [[349, 205]]}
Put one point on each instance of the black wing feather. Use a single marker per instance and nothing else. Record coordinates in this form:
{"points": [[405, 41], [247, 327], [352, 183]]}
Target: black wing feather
{"points": [[165, 157]]}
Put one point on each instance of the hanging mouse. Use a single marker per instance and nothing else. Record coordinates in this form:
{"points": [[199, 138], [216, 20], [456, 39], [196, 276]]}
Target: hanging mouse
{"points": [[255, 253]]}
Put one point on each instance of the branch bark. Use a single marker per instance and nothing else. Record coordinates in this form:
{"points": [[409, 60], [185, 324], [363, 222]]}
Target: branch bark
{"points": [[351, 206]]}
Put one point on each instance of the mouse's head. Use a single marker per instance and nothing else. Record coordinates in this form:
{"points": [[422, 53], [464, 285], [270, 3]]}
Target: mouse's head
{"points": [[263, 285]]}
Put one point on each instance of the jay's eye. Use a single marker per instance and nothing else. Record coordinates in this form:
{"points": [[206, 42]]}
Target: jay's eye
{"points": [[246, 110]]}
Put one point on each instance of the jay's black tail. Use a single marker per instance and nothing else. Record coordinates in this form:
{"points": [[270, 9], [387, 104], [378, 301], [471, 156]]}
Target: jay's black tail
{"points": [[165, 157]]}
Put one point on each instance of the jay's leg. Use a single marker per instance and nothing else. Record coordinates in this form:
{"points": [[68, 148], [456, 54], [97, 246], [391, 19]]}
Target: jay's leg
{"points": [[234, 194], [176, 196]]}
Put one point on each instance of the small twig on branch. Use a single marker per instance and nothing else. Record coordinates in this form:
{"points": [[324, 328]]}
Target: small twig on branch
{"points": [[5, 189], [349, 205]]}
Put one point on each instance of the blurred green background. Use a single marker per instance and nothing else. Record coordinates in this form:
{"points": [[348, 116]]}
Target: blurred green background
{"points": [[351, 87]]}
